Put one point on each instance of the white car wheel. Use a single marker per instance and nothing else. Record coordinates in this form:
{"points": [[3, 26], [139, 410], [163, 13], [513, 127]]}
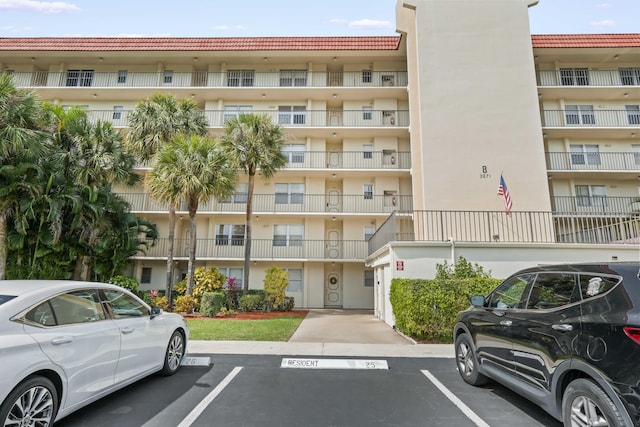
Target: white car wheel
{"points": [[32, 403]]}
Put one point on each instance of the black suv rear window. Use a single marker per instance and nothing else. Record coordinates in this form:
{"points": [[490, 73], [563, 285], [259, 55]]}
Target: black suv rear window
{"points": [[5, 298], [593, 285]]}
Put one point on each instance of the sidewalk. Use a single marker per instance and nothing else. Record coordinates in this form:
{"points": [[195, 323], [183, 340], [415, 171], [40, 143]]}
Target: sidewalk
{"points": [[332, 332]]}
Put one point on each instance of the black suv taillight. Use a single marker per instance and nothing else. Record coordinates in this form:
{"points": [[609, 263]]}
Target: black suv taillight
{"points": [[633, 333]]}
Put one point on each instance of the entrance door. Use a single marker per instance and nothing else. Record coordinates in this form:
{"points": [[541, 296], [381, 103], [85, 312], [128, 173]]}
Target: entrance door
{"points": [[333, 244], [333, 290], [333, 201]]}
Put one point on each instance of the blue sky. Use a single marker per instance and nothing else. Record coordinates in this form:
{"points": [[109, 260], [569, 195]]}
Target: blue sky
{"points": [[255, 18]]}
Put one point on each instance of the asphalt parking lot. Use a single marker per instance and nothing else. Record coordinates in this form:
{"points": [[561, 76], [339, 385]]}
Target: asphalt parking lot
{"points": [[262, 390]]}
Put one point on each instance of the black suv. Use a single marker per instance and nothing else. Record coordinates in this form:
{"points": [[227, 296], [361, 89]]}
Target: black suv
{"points": [[566, 337]]}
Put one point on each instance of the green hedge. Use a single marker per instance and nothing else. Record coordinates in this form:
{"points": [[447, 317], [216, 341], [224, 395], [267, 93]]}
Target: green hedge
{"points": [[212, 303], [426, 309]]}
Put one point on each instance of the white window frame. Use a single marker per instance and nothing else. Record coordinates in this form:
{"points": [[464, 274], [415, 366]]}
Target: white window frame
{"points": [[290, 193], [296, 280], [79, 78], [292, 114], [122, 76], [293, 78], [294, 153], [167, 77], [235, 273], [230, 234], [117, 112], [574, 76], [367, 112], [240, 195], [629, 76], [234, 111], [585, 154], [367, 76], [369, 278], [241, 78], [367, 151], [285, 235], [591, 195], [367, 191], [579, 115], [633, 114]]}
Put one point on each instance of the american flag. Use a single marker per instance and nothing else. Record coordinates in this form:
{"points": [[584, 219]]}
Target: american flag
{"points": [[503, 191]]}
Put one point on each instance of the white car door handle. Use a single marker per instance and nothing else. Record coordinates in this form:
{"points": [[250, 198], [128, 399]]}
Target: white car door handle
{"points": [[562, 327], [61, 340], [126, 330], [506, 323]]}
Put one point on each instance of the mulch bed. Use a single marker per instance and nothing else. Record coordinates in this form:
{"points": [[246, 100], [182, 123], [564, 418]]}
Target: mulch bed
{"points": [[251, 315]]}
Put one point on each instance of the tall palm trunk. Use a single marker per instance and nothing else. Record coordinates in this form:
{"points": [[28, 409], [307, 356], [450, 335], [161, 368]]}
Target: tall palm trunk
{"points": [[192, 250], [170, 242], [247, 244], [3, 244]]}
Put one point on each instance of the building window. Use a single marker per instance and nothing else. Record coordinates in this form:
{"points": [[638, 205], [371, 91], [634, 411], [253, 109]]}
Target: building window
{"points": [[367, 112], [167, 77], [585, 155], [367, 151], [295, 279], [367, 190], [117, 112], [574, 76], [633, 114], [369, 280], [367, 76], [289, 194], [292, 114], [237, 274], [591, 195], [234, 111], [369, 230], [294, 153], [79, 77], [122, 76], [630, 76], [288, 235], [145, 277], [579, 115], [293, 78], [240, 195], [635, 149], [230, 234], [238, 78]]}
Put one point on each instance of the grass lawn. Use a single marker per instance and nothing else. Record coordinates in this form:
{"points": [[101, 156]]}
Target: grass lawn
{"points": [[274, 329]]}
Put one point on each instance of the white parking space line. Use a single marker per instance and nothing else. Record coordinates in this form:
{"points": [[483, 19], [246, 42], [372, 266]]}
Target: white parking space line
{"points": [[452, 397], [199, 409]]}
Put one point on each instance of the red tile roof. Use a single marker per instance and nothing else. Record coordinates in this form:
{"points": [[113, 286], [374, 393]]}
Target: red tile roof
{"points": [[199, 44], [585, 40]]}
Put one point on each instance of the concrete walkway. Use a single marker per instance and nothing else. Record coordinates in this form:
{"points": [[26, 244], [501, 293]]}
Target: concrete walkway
{"points": [[332, 332]]}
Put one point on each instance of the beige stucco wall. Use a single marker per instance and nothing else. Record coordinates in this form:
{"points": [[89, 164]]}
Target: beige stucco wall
{"points": [[474, 90]]}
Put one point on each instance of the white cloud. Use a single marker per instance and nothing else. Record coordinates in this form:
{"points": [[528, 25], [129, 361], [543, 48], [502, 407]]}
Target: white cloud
{"points": [[605, 5], [603, 23], [228, 27], [39, 6], [369, 23], [337, 21]]}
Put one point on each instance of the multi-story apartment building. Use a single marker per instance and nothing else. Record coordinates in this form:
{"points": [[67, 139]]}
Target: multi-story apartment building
{"points": [[426, 121]]}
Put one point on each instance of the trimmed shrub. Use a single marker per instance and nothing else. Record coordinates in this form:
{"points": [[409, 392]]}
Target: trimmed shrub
{"points": [[426, 309], [206, 280], [275, 284], [250, 302], [185, 304], [287, 304], [212, 303]]}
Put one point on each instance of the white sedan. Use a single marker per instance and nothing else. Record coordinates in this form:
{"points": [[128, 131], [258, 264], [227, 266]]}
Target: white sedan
{"points": [[65, 344]]}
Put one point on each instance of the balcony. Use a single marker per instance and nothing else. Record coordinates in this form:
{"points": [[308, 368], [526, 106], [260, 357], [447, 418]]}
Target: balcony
{"points": [[293, 119], [585, 162], [580, 77], [518, 227], [581, 123], [594, 205], [262, 250], [235, 79], [321, 204]]}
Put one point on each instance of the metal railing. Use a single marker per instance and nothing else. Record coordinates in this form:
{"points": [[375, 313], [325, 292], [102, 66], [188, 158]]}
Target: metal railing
{"points": [[586, 161], [498, 227], [584, 77], [216, 79], [309, 118], [284, 203], [590, 119], [594, 204], [263, 249]]}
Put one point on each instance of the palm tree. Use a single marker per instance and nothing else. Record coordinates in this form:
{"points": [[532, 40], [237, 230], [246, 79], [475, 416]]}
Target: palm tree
{"points": [[196, 168], [152, 124], [254, 143], [22, 145]]}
